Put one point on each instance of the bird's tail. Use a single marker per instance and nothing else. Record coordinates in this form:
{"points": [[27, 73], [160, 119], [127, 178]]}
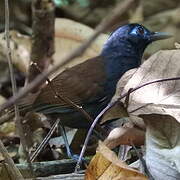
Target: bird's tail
{"points": [[28, 101], [24, 104]]}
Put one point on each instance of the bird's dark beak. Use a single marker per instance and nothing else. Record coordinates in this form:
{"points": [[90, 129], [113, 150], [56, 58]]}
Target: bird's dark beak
{"points": [[159, 36]]}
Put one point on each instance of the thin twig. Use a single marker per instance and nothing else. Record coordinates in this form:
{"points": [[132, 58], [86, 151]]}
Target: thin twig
{"points": [[9, 57], [10, 162], [107, 23], [14, 86], [14, 170], [45, 140], [110, 105], [77, 168]]}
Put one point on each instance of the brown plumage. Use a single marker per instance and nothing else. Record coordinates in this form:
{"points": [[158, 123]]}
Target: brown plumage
{"points": [[83, 84], [93, 83], [79, 84]]}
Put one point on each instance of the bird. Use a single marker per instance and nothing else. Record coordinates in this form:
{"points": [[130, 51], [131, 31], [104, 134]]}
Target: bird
{"points": [[92, 84]]}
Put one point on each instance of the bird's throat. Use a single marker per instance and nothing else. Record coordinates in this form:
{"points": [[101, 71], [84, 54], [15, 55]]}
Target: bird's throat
{"points": [[117, 62]]}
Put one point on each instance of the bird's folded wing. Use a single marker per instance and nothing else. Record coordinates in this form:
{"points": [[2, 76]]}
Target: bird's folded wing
{"points": [[81, 84]]}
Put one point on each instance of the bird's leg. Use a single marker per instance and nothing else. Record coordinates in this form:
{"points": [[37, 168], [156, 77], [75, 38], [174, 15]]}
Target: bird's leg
{"points": [[69, 152], [63, 133]]}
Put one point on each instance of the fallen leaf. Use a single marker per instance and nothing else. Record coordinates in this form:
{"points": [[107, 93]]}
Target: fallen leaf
{"points": [[162, 146], [117, 111], [125, 135], [157, 98], [7, 128], [20, 50], [105, 165], [158, 105]]}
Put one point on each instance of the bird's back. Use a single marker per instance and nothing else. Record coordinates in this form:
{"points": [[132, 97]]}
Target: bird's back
{"points": [[82, 84]]}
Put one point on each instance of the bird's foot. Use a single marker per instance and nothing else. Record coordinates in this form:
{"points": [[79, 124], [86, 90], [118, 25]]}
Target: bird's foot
{"points": [[75, 157]]}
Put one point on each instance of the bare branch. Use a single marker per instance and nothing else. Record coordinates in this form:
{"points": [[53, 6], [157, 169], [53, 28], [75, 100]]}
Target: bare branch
{"points": [[9, 57], [13, 82], [42, 37]]}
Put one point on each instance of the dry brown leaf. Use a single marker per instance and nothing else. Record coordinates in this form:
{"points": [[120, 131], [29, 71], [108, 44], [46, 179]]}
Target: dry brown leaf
{"points": [[117, 111], [126, 135], [105, 165], [162, 146], [20, 49], [158, 104], [7, 128], [158, 98]]}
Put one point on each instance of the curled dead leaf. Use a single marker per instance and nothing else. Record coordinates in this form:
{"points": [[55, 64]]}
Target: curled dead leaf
{"points": [[162, 146], [158, 104], [105, 165], [158, 98], [126, 135]]}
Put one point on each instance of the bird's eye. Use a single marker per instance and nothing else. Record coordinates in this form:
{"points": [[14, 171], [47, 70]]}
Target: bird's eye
{"points": [[140, 30]]}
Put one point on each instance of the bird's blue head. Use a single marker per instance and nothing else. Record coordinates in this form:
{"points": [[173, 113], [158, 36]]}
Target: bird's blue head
{"points": [[131, 40], [124, 49]]}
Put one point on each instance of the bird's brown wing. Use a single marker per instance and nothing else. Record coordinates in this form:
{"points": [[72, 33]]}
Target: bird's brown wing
{"points": [[81, 83]]}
